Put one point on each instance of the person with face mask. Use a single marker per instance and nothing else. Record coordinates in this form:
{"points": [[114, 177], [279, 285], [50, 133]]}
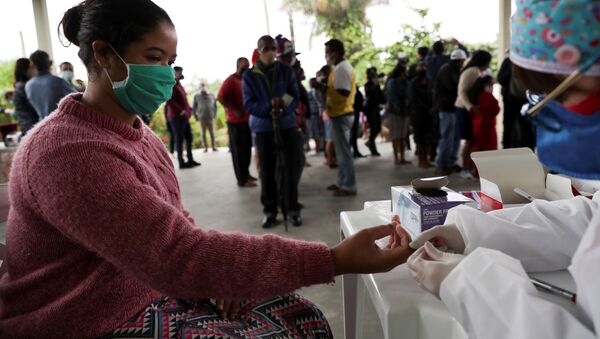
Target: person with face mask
{"points": [[179, 113], [421, 115], [67, 72], [271, 96], [240, 136], [484, 282], [205, 111], [98, 241], [445, 91]]}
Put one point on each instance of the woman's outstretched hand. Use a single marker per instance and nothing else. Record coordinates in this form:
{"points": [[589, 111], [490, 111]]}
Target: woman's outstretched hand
{"points": [[360, 254]]}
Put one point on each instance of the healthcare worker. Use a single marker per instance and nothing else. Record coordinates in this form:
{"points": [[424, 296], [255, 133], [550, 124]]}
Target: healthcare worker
{"points": [[482, 278]]}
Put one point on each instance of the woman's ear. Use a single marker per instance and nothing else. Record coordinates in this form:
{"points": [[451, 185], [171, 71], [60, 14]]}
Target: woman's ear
{"points": [[100, 53]]}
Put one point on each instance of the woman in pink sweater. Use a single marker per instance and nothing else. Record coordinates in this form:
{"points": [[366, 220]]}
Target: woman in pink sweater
{"points": [[98, 242]]}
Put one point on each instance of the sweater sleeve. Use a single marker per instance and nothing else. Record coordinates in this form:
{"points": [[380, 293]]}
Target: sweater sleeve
{"points": [[97, 197]]}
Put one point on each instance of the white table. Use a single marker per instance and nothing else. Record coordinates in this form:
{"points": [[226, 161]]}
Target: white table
{"points": [[404, 309]]}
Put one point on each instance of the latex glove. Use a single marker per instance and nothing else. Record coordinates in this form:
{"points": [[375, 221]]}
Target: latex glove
{"points": [[446, 236], [430, 266]]}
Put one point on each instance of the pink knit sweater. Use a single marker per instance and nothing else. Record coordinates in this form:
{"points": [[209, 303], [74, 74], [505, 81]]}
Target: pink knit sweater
{"points": [[97, 231]]}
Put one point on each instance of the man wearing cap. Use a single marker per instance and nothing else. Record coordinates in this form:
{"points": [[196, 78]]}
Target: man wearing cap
{"points": [[270, 94], [444, 97]]}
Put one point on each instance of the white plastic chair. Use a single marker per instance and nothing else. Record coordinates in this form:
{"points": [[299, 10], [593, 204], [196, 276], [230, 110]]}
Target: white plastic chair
{"points": [[4, 207]]}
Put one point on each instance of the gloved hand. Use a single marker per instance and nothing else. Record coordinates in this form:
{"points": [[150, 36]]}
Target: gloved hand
{"points": [[440, 236], [430, 266]]}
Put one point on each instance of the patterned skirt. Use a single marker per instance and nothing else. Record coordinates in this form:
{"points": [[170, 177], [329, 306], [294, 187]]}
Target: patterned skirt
{"points": [[288, 316]]}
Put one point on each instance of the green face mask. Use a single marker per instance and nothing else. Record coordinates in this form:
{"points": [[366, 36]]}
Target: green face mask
{"points": [[145, 88]]}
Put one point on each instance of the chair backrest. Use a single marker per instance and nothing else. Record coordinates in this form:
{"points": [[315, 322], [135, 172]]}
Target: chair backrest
{"points": [[4, 208]]}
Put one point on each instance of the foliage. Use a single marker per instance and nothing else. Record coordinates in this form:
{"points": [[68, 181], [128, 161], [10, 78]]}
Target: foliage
{"points": [[6, 80], [490, 47], [159, 126], [6, 85], [411, 38], [345, 20]]}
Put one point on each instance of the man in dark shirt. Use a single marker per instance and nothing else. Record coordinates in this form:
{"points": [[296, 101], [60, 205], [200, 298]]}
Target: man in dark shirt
{"points": [[179, 112], [445, 93]]}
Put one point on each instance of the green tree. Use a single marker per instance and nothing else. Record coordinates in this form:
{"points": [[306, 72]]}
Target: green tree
{"points": [[342, 19], [411, 38]]}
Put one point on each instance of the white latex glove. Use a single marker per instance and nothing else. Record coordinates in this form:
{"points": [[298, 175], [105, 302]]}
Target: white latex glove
{"points": [[446, 236], [430, 266]]}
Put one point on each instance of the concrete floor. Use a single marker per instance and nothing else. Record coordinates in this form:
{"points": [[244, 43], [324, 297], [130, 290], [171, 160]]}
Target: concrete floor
{"points": [[215, 201]]}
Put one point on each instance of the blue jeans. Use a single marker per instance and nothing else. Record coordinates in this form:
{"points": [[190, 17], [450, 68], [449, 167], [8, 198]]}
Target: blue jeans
{"points": [[449, 142], [341, 128]]}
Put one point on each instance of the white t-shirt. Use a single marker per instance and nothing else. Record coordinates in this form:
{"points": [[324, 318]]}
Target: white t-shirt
{"points": [[342, 79]]}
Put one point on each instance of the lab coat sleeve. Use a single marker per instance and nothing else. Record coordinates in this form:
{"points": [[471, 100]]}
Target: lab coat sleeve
{"points": [[586, 273], [542, 235], [490, 294]]}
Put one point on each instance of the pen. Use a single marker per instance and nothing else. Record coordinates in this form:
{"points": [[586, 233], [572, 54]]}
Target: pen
{"points": [[553, 289], [523, 194]]}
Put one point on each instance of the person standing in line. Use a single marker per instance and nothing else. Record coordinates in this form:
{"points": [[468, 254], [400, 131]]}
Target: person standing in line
{"points": [[422, 53], [316, 111], [374, 98], [240, 137], [25, 113], [359, 103], [444, 97], [436, 60], [479, 62], [399, 117], [45, 90], [179, 112], [270, 93], [421, 116], [67, 72], [484, 123], [518, 131], [205, 111], [340, 92]]}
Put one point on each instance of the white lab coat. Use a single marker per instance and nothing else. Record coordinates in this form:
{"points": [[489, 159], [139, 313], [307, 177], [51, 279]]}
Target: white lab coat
{"points": [[489, 292]]}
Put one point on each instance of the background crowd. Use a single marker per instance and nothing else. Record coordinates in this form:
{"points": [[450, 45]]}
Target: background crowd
{"points": [[432, 105]]}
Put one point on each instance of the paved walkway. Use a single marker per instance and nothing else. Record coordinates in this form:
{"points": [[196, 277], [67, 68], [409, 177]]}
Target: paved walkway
{"points": [[211, 195]]}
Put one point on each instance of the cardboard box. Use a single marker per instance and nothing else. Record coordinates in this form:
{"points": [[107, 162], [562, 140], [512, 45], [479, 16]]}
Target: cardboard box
{"points": [[502, 171], [418, 212]]}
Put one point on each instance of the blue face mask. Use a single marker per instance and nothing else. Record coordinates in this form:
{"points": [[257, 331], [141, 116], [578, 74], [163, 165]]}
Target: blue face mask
{"points": [[567, 142]]}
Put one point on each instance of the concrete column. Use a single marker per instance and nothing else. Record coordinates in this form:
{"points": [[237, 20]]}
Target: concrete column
{"points": [[503, 29], [42, 26]]}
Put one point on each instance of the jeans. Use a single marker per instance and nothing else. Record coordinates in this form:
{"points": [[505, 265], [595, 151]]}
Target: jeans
{"points": [[449, 142], [342, 127]]}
